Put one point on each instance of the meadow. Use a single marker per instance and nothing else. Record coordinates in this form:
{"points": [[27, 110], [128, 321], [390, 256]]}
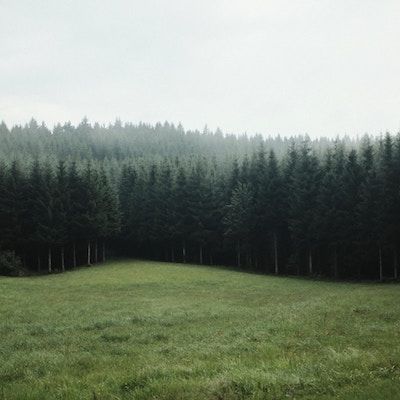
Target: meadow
{"points": [[146, 330]]}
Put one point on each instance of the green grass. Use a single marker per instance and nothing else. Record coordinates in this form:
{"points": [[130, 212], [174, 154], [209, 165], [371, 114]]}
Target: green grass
{"points": [[147, 330]]}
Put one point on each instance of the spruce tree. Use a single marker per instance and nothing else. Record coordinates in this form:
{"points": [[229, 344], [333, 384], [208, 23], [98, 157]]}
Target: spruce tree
{"points": [[303, 205], [238, 218]]}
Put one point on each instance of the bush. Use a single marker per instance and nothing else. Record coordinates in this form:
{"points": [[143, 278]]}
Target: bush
{"points": [[10, 264]]}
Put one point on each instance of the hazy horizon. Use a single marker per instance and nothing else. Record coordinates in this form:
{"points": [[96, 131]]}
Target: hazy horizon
{"points": [[356, 137], [320, 68]]}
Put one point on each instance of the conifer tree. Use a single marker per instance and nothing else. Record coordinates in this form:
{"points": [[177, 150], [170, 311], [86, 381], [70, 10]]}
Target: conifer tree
{"points": [[181, 207], [389, 196], [368, 208], [13, 209], [303, 205], [238, 218], [61, 204], [331, 217], [75, 210]]}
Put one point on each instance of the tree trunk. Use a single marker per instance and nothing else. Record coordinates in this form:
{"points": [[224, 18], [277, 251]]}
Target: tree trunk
{"points": [[395, 263], [201, 254], [95, 251], [39, 265], [184, 252], [62, 259], [74, 254], [172, 254], [310, 262], [380, 263], [276, 254], [238, 253], [104, 252], [49, 260], [88, 253], [335, 262], [211, 259]]}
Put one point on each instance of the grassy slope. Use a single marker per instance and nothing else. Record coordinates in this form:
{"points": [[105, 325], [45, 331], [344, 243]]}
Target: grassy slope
{"points": [[151, 330]]}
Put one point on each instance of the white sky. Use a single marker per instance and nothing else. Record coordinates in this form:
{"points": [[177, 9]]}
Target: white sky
{"points": [[323, 67]]}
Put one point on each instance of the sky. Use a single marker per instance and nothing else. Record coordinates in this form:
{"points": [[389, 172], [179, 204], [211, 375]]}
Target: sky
{"points": [[317, 67]]}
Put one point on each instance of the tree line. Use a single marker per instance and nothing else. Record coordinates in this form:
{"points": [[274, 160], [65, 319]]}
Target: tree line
{"points": [[295, 208], [46, 212]]}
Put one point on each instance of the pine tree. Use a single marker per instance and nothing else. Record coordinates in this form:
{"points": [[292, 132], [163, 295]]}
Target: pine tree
{"points": [[274, 213], [181, 208], [61, 204], [396, 211], [13, 209], [166, 210], [332, 208], [196, 208], [43, 208], [352, 178], [238, 218], [388, 197], [303, 205], [369, 222], [76, 211], [109, 218]]}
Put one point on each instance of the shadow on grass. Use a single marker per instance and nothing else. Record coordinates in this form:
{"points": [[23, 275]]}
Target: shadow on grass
{"points": [[251, 271]]}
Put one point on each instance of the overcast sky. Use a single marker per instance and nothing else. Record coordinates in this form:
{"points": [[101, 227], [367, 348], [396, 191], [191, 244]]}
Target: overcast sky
{"points": [[322, 67]]}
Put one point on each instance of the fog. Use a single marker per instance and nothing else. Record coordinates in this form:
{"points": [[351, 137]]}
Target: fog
{"points": [[271, 67]]}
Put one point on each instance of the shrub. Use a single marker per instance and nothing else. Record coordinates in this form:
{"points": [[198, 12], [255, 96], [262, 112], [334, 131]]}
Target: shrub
{"points": [[10, 264]]}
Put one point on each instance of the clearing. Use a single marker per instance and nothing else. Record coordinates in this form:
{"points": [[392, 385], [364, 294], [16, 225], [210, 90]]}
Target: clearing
{"points": [[148, 330]]}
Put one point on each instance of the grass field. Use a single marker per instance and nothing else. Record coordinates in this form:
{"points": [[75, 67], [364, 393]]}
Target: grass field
{"points": [[147, 330]]}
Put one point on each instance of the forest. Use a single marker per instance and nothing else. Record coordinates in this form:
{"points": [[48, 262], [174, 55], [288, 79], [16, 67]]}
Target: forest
{"points": [[71, 195]]}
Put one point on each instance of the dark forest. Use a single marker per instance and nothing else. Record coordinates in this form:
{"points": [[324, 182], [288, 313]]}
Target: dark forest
{"points": [[71, 196]]}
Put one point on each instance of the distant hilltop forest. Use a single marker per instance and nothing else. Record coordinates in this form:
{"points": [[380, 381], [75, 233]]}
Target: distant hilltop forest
{"points": [[129, 142], [326, 207]]}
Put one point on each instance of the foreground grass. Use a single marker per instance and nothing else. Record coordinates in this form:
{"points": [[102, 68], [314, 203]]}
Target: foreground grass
{"points": [[146, 330]]}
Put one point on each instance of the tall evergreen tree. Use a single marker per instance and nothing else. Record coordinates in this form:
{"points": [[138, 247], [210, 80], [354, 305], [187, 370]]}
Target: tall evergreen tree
{"points": [[303, 205], [238, 218]]}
